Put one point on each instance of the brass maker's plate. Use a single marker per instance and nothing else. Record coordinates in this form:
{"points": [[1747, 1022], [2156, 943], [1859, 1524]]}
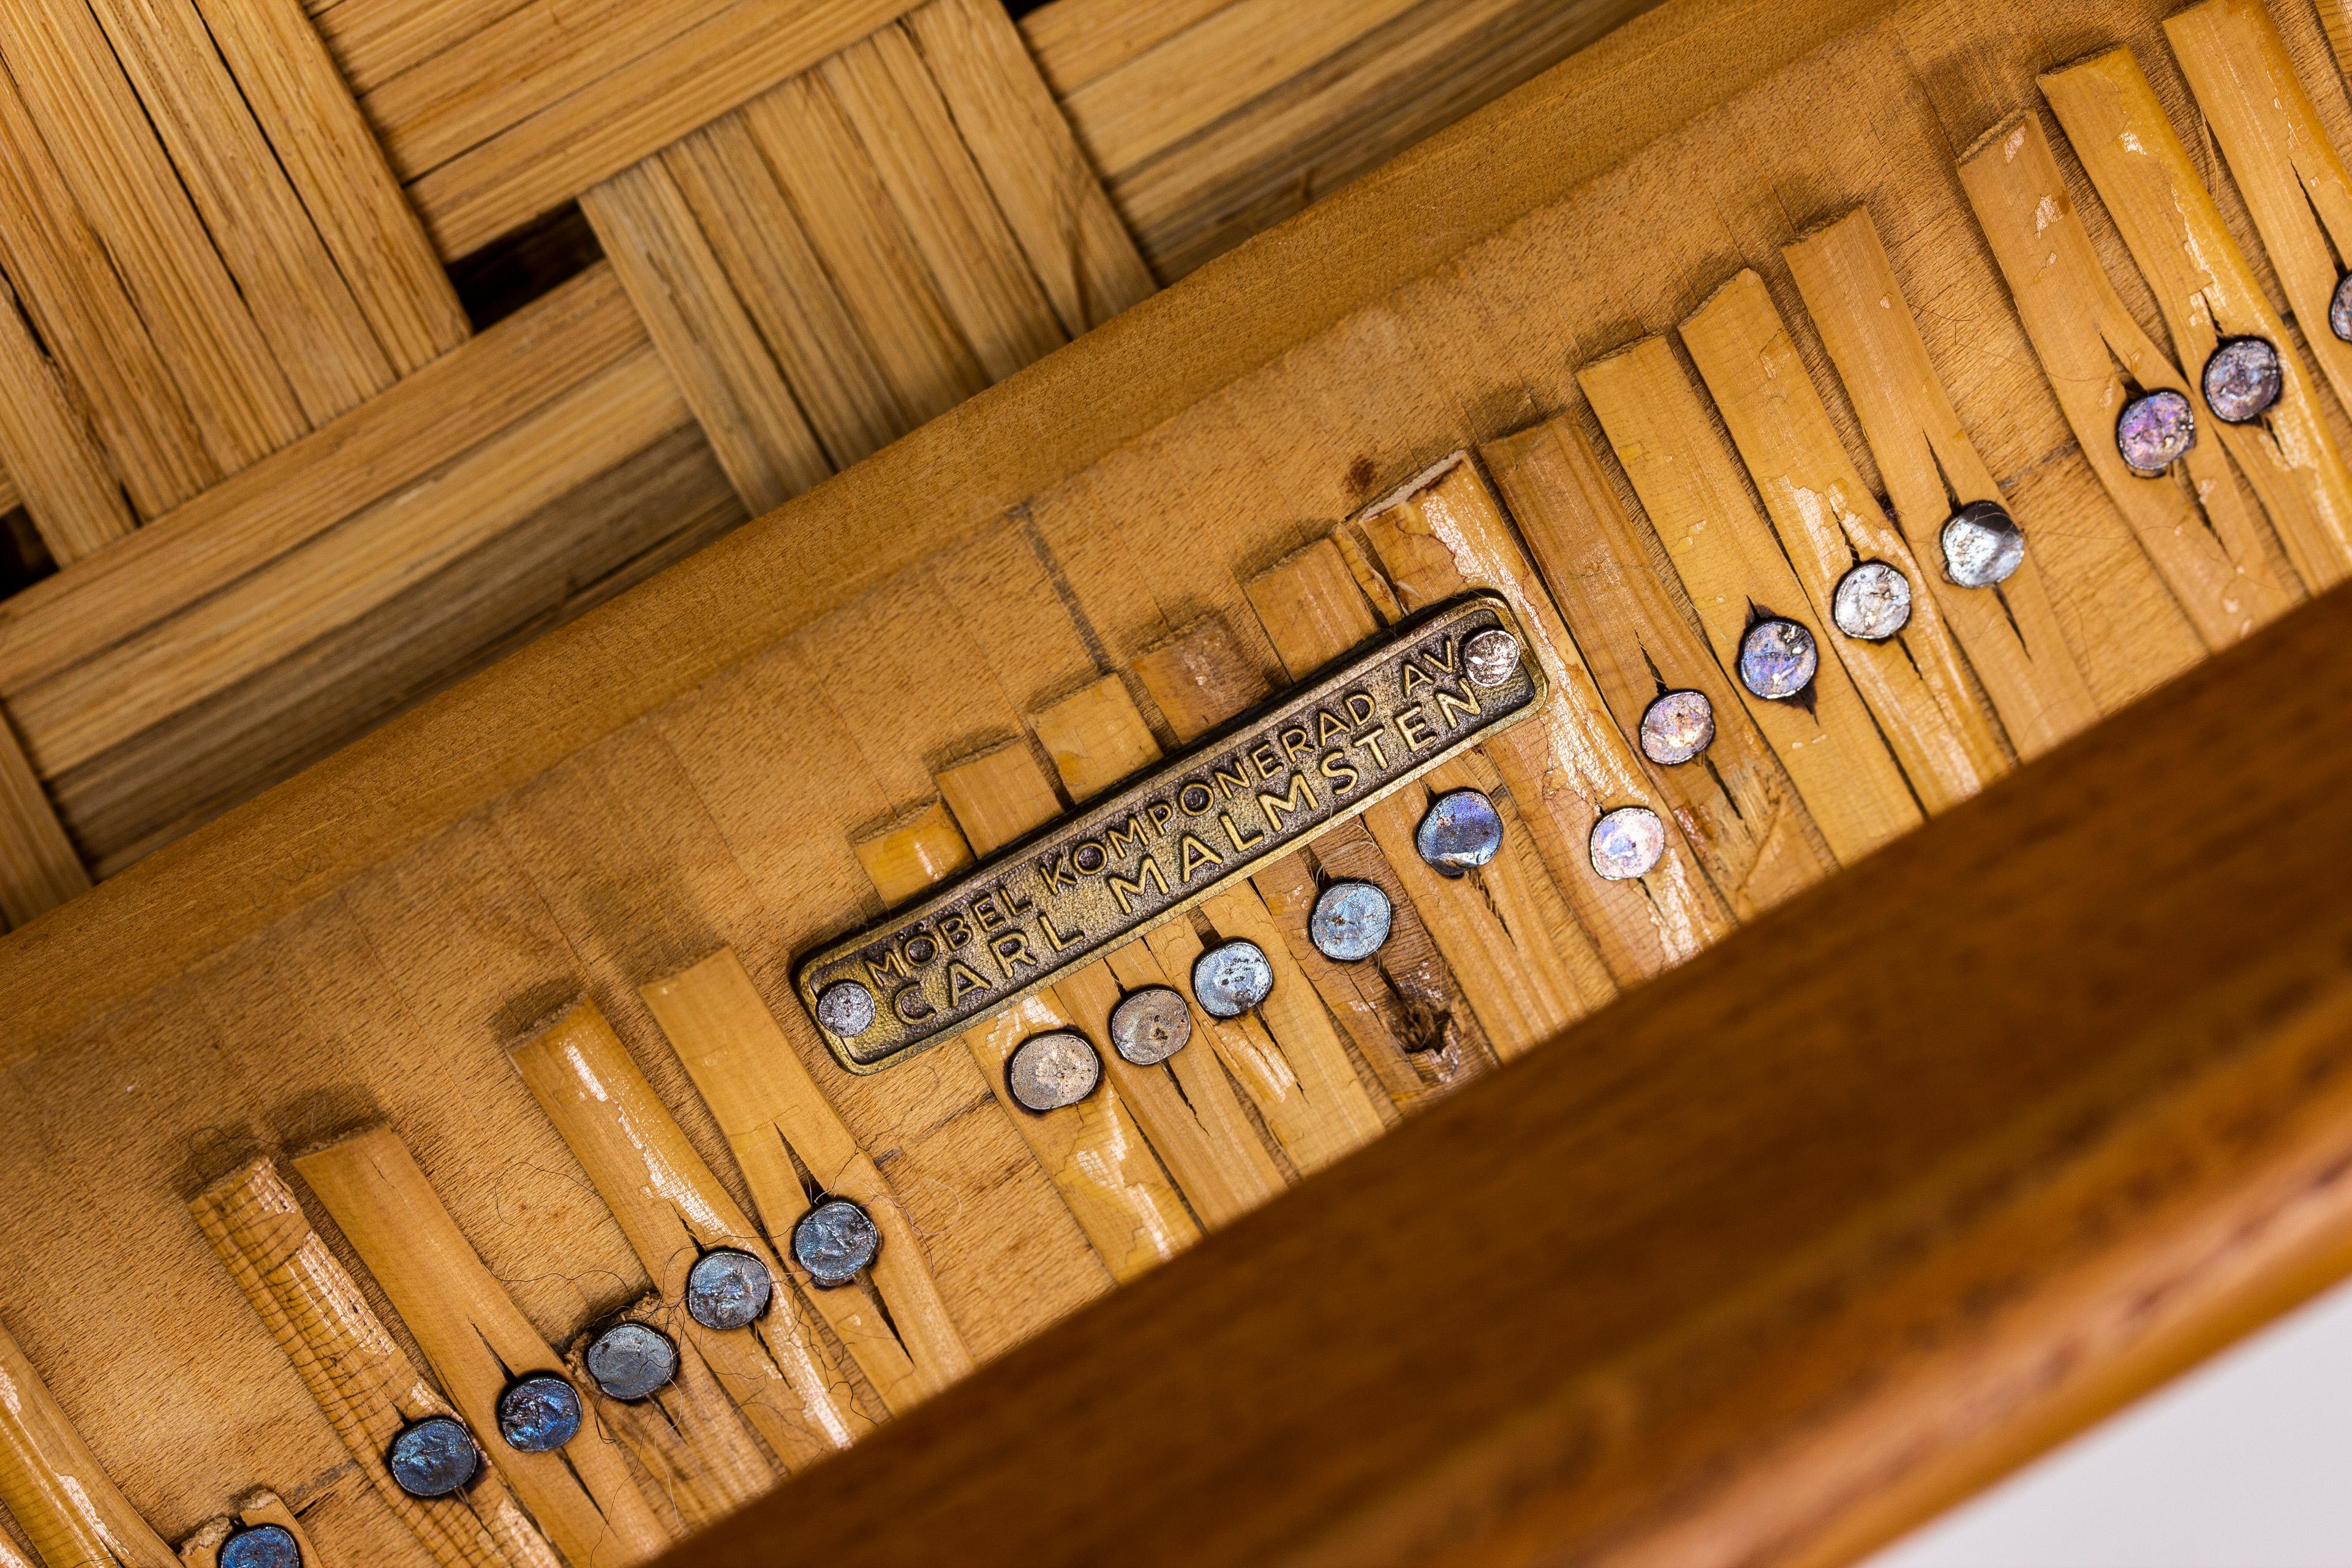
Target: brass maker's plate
{"points": [[1253, 790]]}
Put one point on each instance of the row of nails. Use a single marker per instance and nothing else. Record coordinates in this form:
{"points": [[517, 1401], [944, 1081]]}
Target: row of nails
{"points": [[1982, 547], [835, 1242], [1349, 923], [1462, 830], [2242, 380], [1351, 920]]}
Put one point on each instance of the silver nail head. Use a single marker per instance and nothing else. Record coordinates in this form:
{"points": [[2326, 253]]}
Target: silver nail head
{"points": [[835, 1241], [261, 1546], [1491, 657], [539, 1414], [1627, 842], [630, 1361], [1151, 1024], [1232, 978], [1678, 727], [847, 1008], [1050, 1071], [1351, 920], [1462, 832], [2155, 431], [728, 1290], [1982, 546], [2339, 309], [2243, 379], [1872, 602], [432, 1458], [1777, 660]]}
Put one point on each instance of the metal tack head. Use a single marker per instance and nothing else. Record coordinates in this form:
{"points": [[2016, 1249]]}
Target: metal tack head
{"points": [[539, 1414], [1151, 1024], [835, 1242], [2155, 431], [433, 1457], [1462, 832], [1231, 978], [630, 1361], [1678, 727], [1491, 657], [2243, 379], [1351, 920], [1777, 660], [847, 1008], [1982, 545], [728, 1290], [1050, 1071], [261, 1546], [2339, 308], [1627, 842], [1872, 602]]}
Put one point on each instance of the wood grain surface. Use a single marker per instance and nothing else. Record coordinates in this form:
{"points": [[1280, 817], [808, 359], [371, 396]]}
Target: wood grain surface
{"points": [[948, 194], [50, 1481], [531, 112], [2291, 176], [1303, 98], [365, 1384], [865, 246], [208, 241], [39, 869]]}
